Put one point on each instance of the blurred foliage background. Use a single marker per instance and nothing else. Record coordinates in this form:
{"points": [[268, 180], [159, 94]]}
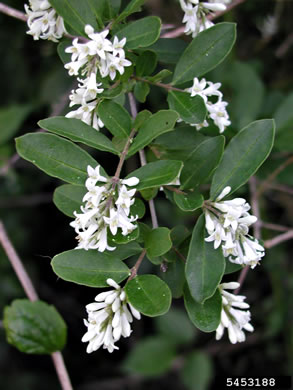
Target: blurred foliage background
{"points": [[168, 352]]}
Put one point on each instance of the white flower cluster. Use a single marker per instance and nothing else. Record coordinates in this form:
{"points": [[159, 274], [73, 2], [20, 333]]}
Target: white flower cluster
{"points": [[229, 223], [216, 111], [43, 21], [232, 318], [107, 206], [109, 318], [196, 11], [97, 57]]}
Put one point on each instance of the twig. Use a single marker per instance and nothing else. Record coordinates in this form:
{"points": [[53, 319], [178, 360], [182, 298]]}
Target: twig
{"points": [[123, 154], [33, 296], [158, 84], [180, 30], [281, 188], [143, 162], [279, 239], [136, 266], [174, 189], [5, 9], [273, 226], [272, 176]]}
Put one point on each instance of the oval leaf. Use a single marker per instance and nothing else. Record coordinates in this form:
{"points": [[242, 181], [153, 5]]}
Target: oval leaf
{"points": [[56, 156], [68, 198], [34, 327], [78, 131], [205, 316], [205, 265], [149, 295], [116, 119], [158, 242], [205, 52], [243, 156], [189, 202], [156, 174], [201, 162], [141, 33], [159, 123], [191, 109], [89, 268]]}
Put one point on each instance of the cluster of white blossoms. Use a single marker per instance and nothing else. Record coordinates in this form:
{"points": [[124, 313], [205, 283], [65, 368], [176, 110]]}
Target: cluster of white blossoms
{"points": [[97, 57], [196, 12], [109, 318], [43, 21], [107, 205], [216, 111], [232, 317], [228, 224]]}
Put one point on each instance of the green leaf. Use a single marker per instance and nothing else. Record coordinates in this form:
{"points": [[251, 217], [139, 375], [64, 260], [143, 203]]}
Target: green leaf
{"points": [[141, 118], [34, 327], [119, 238], [138, 208], [205, 265], [190, 201], [149, 295], [64, 57], [141, 91], [78, 131], [169, 50], [175, 326], [190, 109], [205, 52], [141, 33], [174, 276], [156, 174], [201, 162], [284, 125], [89, 268], [243, 156], [205, 316], [164, 73], [150, 357], [105, 10], [68, 198], [146, 63], [232, 267], [197, 372], [116, 119], [11, 118], [56, 156], [161, 122], [132, 7], [123, 252], [77, 13], [158, 242]]}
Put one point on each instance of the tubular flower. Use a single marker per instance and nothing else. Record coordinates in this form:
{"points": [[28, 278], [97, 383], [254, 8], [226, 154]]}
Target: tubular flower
{"points": [[232, 316], [228, 226], [109, 318], [106, 207]]}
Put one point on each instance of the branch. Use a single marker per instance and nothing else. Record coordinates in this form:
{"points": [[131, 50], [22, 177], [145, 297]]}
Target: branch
{"points": [[136, 266], [33, 296], [272, 177], [279, 239], [143, 162], [5, 9], [180, 30], [158, 84]]}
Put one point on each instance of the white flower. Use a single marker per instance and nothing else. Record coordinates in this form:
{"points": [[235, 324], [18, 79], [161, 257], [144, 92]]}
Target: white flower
{"points": [[232, 318], [109, 318], [216, 111], [228, 225], [43, 21], [107, 205]]}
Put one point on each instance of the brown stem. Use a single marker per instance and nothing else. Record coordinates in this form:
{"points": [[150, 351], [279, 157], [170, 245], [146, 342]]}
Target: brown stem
{"points": [[173, 189], [279, 239], [142, 157], [272, 176], [5, 9], [180, 30], [123, 154], [158, 84], [135, 268], [273, 226], [33, 296], [179, 254]]}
